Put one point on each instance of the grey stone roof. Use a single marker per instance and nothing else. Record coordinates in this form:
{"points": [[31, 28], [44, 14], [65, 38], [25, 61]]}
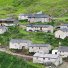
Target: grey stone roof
{"points": [[64, 29], [35, 15], [41, 55], [63, 48], [39, 45], [19, 41], [7, 19], [38, 16], [24, 14], [64, 25], [40, 26]]}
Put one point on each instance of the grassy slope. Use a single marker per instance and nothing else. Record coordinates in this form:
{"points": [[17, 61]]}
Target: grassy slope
{"points": [[35, 37], [9, 61], [53, 7]]}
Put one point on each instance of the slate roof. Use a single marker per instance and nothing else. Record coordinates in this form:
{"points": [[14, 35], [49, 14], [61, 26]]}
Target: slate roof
{"points": [[39, 45], [7, 19], [64, 29], [64, 25], [42, 55], [63, 48], [20, 41], [39, 26], [24, 14], [38, 16]]}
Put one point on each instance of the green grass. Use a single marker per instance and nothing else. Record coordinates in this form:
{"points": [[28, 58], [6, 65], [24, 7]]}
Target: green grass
{"points": [[64, 19], [56, 8], [9, 61], [35, 37]]}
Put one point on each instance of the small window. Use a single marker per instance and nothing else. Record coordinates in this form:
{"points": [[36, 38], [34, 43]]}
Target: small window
{"points": [[39, 47], [15, 45], [55, 52], [32, 47], [43, 58], [36, 57], [48, 58]]}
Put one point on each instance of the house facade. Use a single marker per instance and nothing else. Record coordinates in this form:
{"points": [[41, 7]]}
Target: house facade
{"points": [[62, 51], [3, 29], [8, 22], [47, 58], [43, 28], [40, 47], [61, 33], [39, 18], [19, 44]]}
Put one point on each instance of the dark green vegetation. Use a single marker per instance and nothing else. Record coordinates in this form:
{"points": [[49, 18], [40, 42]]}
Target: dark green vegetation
{"points": [[57, 8], [9, 61], [35, 37]]}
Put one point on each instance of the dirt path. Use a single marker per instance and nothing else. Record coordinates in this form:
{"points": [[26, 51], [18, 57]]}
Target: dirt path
{"points": [[9, 52]]}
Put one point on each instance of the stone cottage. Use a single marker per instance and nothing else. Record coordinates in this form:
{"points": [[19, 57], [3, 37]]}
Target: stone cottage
{"points": [[19, 44], [47, 58], [62, 50], [43, 28], [40, 47], [39, 18], [61, 33]]}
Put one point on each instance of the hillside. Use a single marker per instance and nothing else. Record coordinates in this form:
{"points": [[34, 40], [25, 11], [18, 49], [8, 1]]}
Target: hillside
{"points": [[9, 61], [56, 8], [35, 37]]}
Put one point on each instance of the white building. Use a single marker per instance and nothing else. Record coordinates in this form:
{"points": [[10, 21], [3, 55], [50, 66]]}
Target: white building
{"points": [[23, 17], [39, 18], [62, 51], [61, 33], [47, 58], [8, 22], [55, 51], [43, 28], [40, 47], [19, 44], [3, 29]]}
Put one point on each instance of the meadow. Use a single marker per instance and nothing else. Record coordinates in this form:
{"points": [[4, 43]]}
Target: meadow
{"points": [[56, 8], [9, 61]]}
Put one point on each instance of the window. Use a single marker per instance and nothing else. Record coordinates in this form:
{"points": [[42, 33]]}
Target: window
{"points": [[36, 57], [48, 58], [43, 58], [55, 52], [59, 36], [32, 47], [39, 47]]}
